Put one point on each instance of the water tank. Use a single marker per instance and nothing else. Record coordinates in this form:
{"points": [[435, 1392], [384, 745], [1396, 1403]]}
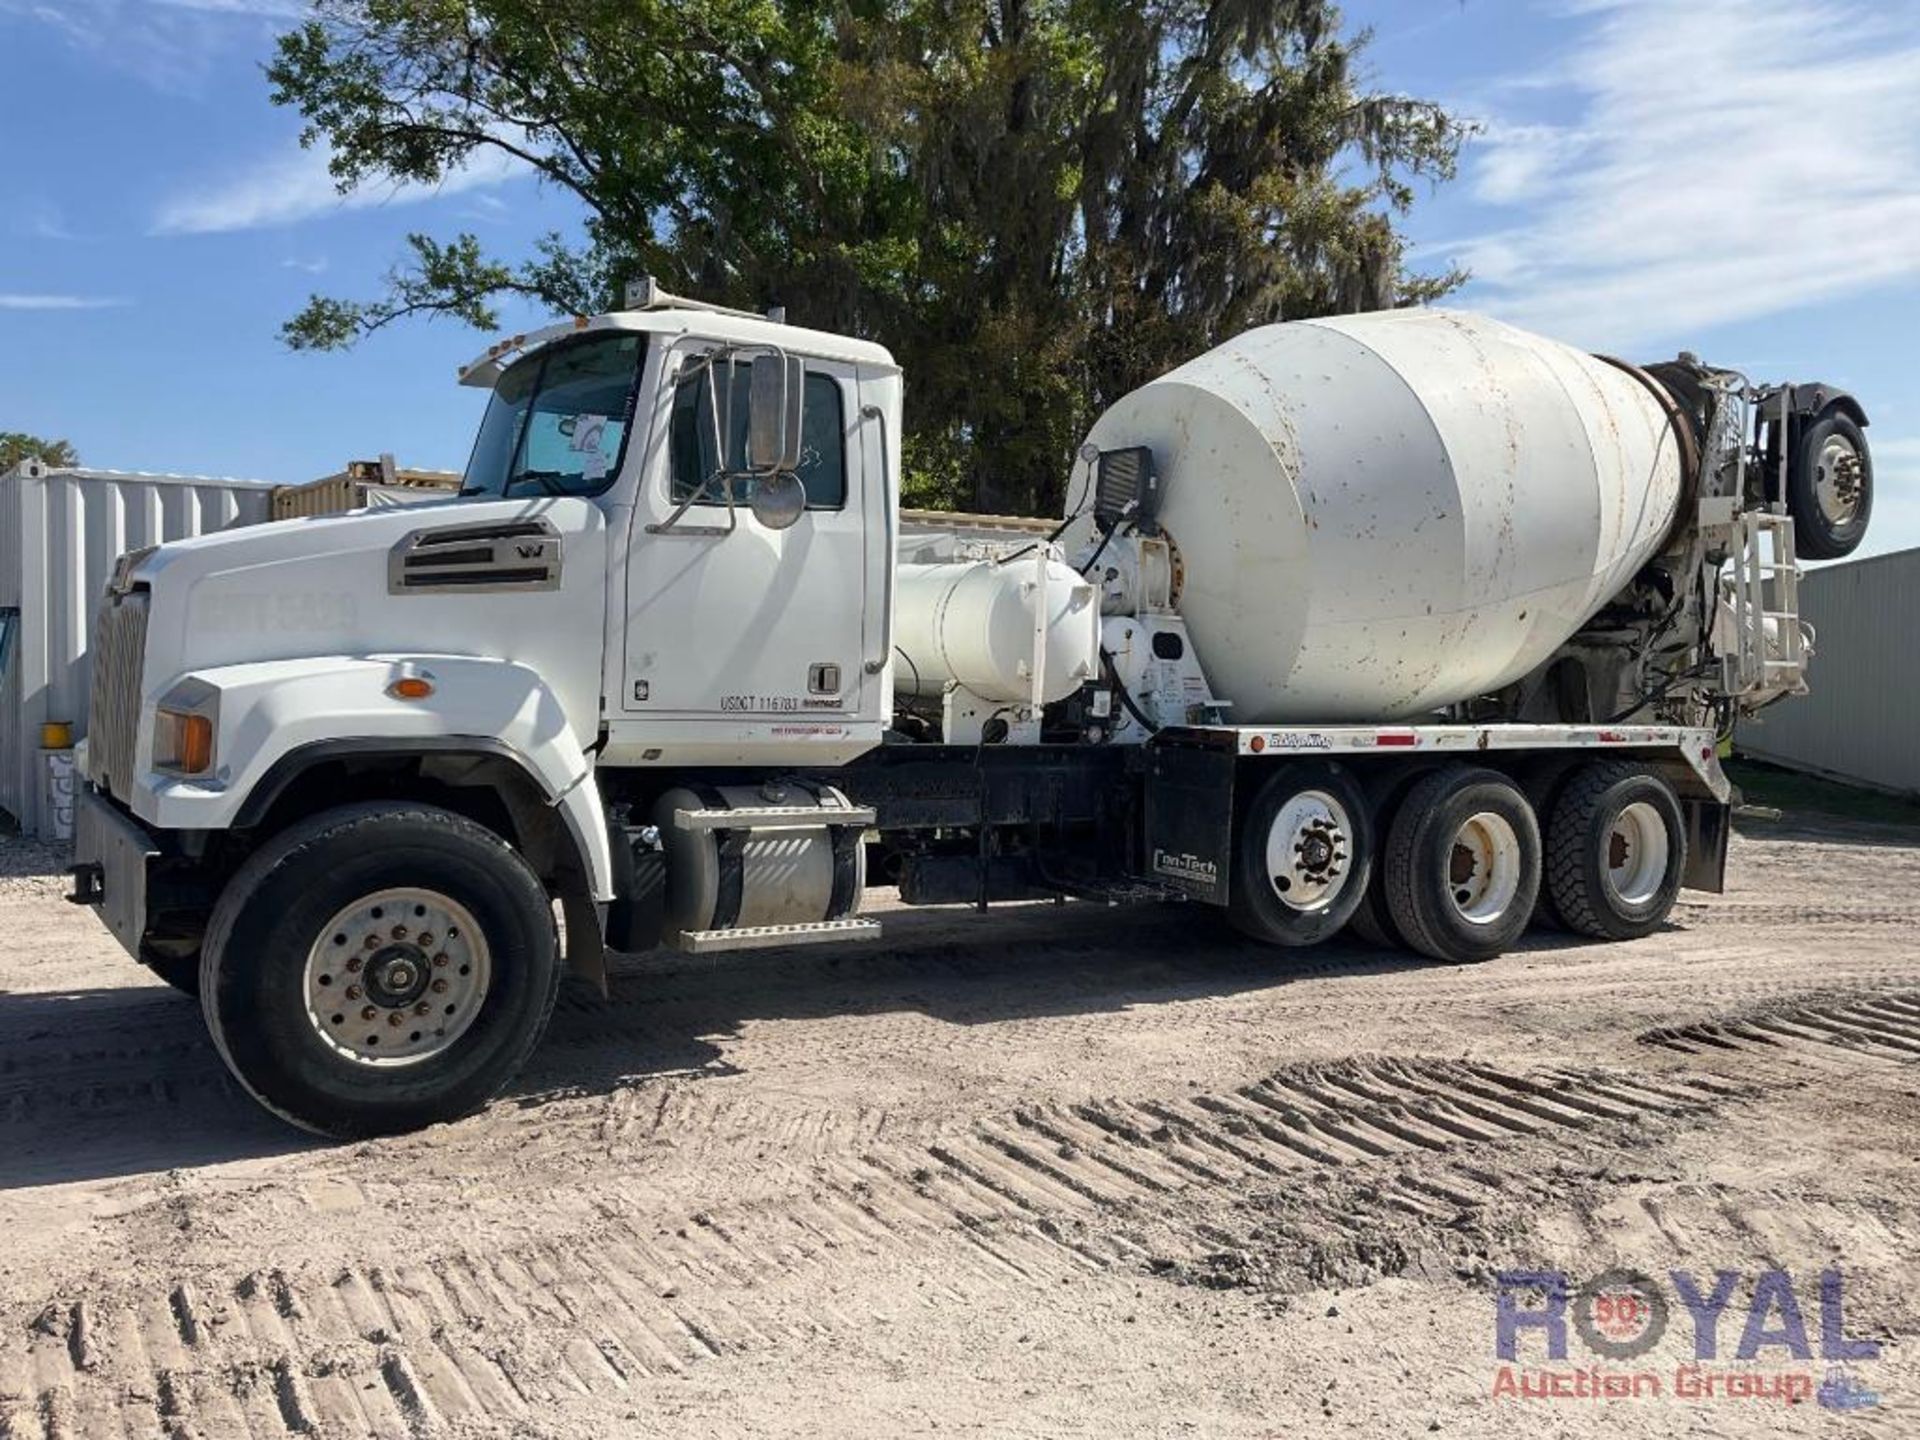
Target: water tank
{"points": [[973, 621], [1378, 515]]}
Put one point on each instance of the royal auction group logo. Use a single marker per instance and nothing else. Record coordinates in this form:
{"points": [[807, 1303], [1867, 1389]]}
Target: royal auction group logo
{"points": [[1787, 1339]]}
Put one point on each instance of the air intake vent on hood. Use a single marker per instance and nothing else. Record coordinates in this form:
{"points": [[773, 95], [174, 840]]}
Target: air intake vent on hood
{"points": [[492, 555]]}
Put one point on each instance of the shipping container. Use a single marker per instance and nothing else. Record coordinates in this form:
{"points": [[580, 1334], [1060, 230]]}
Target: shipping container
{"points": [[60, 532], [363, 485], [1858, 724]]}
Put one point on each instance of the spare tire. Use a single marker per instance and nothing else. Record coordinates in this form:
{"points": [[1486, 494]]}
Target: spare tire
{"points": [[1830, 487]]}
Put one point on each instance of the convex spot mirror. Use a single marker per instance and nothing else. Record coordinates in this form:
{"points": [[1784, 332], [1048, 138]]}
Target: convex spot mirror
{"points": [[779, 500]]}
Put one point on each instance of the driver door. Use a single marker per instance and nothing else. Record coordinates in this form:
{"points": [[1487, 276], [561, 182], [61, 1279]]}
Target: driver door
{"points": [[748, 645]]}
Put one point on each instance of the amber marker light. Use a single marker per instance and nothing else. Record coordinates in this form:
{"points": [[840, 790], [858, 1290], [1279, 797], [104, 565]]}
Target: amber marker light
{"points": [[183, 742]]}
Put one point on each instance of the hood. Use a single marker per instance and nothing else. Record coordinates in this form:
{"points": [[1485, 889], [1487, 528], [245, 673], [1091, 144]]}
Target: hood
{"points": [[308, 535], [508, 579]]}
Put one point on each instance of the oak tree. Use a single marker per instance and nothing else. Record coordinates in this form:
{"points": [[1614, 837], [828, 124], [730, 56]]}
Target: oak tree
{"points": [[1036, 204]]}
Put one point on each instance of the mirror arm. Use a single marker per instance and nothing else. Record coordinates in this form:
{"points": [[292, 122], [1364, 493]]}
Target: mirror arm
{"points": [[671, 525]]}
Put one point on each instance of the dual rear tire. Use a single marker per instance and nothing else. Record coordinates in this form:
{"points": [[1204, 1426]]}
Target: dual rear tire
{"points": [[1461, 867], [1616, 852]]}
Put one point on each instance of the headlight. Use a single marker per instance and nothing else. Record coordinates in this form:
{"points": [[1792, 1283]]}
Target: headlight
{"points": [[184, 727]]}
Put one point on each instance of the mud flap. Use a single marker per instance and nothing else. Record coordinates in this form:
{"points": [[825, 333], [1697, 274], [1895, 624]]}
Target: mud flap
{"points": [[1189, 827], [111, 855], [586, 940], [1708, 824]]}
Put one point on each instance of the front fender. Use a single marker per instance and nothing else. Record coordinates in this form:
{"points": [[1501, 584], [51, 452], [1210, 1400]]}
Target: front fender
{"points": [[266, 711]]}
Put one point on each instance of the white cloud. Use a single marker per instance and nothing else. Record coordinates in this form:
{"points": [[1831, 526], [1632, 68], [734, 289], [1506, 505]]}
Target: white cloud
{"points": [[41, 220], [171, 45], [295, 186], [277, 9], [315, 266], [485, 210], [58, 302], [1729, 159], [1514, 162]]}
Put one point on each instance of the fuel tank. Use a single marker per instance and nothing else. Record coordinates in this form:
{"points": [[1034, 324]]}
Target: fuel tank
{"points": [[1377, 515]]}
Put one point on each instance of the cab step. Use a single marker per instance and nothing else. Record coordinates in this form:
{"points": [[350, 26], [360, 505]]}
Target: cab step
{"points": [[773, 817], [761, 937]]}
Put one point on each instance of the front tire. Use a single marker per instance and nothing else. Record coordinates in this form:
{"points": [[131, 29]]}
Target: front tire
{"points": [[1616, 851], [379, 968], [1301, 856], [1462, 865]]}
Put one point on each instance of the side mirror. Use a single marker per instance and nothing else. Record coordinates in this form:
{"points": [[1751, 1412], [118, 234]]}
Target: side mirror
{"points": [[774, 415]]}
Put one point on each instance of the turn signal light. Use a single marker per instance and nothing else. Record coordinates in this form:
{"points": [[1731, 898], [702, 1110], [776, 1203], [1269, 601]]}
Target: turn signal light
{"points": [[183, 743], [411, 687]]}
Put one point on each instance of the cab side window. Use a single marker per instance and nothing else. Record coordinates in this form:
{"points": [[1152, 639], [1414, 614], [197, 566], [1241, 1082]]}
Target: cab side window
{"points": [[823, 445], [823, 441]]}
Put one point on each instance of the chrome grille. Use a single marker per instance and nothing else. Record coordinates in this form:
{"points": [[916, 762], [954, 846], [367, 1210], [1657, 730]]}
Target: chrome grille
{"points": [[113, 706]]}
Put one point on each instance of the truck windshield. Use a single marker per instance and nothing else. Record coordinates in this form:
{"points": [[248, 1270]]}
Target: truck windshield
{"points": [[558, 420]]}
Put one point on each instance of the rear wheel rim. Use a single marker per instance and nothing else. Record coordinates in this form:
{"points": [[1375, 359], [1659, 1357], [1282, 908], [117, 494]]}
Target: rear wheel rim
{"points": [[1483, 868], [397, 977], [1310, 851], [1637, 849], [1837, 480]]}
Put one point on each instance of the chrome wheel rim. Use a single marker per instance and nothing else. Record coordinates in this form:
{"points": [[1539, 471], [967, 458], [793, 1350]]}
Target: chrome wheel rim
{"points": [[397, 977], [1635, 862], [1838, 480], [1483, 867], [1309, 851]]}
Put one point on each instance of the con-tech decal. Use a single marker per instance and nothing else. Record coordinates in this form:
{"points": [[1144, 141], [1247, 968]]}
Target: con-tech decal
{"points": [[1184, 866]]}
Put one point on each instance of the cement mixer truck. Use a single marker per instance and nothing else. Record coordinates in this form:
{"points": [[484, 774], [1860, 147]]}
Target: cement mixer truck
{"points": [[1411, 626]]}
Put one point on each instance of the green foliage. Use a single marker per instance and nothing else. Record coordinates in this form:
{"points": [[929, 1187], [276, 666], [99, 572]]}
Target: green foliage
{"points": [[15, 447], [1037, 204]]}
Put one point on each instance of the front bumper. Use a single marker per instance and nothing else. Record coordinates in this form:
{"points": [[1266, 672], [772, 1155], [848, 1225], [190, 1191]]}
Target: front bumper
{"points": [[111, 855]]}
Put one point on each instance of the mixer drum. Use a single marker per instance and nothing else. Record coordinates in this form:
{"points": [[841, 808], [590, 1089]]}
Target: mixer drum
{"points": [[1379, 515]]}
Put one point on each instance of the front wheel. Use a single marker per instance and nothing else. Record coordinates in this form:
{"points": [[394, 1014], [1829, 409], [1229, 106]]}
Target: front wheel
{"points": [[379, 968], [1301, 857]]}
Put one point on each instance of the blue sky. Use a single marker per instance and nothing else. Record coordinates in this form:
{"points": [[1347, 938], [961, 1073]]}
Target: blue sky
{"points": [[1736, 177]]}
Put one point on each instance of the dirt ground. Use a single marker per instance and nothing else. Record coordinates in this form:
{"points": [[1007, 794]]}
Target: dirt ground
{"points": [[1056, 1171]]}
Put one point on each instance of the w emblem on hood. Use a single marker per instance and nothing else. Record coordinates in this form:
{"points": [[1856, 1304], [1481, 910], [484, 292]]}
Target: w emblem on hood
{"points": [[490, 555]]}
